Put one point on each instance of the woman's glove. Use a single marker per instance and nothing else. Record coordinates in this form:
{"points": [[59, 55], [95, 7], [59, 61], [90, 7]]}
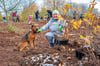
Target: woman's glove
{"points": [[40, 30], [60, 28]]}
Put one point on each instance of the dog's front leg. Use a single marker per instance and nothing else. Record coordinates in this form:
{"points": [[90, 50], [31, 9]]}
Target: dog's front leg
{"points": [[34, 44], [31, 43]]}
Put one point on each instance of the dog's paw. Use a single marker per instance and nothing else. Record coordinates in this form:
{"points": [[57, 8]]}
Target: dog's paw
{"points": [[35, 47]]}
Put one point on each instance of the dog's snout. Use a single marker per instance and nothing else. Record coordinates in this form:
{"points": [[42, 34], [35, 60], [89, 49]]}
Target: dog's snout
{"points": [[36, 28]]}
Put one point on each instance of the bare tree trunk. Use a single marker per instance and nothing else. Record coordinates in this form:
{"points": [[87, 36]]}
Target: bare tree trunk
{"points": [[54, 4], [6, 15]]}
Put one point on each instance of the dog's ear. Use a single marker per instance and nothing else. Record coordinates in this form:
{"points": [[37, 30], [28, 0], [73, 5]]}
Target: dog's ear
{"points": [[32, 26]]}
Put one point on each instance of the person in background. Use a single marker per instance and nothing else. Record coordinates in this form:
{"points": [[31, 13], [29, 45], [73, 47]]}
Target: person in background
{"points": [[29, 19], [4, 19], [17, 19], [41, 18], [74, 15], [81, 16], [45, 18], [55, 27], [49, 14], [13, 16], [37, 15]]}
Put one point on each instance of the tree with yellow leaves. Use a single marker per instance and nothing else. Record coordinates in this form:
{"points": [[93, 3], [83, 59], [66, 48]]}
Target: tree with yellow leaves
{"points": [[24, 15]]}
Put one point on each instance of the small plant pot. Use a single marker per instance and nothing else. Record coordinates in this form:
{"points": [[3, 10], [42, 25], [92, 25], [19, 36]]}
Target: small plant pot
{"points": [[79, 54], [61, 41]]}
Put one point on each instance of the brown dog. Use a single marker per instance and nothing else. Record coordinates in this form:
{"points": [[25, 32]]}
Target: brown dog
{"points": [[29, 38]]}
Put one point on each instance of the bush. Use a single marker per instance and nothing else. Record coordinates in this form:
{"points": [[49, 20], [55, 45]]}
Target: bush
{"points": [[12, 29]]}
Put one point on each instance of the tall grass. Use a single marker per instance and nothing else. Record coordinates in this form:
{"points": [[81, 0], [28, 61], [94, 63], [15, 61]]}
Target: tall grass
{"points": [[11, 28]]}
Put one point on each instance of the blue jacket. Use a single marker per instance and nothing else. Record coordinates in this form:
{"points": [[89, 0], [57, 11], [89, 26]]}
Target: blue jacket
{"points": [[37, 14], [49, 13]]}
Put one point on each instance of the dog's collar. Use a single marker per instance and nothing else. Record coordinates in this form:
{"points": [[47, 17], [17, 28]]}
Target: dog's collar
{"points": [[33, 31]]}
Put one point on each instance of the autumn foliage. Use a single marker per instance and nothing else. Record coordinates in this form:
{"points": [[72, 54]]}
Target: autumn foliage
{"points": [[89, 24], [28, 11]]}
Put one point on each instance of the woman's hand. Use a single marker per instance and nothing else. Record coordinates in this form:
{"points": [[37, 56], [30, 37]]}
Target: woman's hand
{"points": [[40, 30]]}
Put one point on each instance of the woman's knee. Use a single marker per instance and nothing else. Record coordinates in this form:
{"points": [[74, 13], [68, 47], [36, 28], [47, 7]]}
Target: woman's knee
{"points": [[49, 34]]}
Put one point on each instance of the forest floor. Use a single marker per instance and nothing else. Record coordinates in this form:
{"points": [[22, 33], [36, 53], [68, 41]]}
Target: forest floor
{"points": [[10, 56]]}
